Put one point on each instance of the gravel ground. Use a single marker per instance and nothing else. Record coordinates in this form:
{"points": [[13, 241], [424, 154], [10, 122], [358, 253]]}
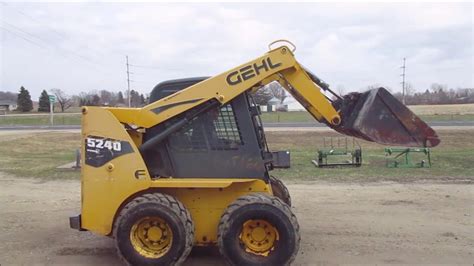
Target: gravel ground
{"points": [[376, 223]]}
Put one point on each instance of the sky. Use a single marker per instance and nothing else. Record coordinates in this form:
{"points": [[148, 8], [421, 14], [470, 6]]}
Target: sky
{"points": [[80, 47]]}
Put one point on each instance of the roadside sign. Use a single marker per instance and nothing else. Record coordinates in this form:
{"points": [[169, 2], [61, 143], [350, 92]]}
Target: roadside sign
{"points": [[52, 98]]}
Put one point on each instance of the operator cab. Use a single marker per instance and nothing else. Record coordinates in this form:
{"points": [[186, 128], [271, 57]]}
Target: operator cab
{"points": [[224, 142]]}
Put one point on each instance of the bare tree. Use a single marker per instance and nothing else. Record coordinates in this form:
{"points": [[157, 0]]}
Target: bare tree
{"points": [[409, 90], [340, 90], [63, 99], [262, 96], [106, 97], [371, 87], [277, 91]]}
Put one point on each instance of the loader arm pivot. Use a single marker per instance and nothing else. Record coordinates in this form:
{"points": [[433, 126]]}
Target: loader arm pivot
{"points": [[375, 116]]}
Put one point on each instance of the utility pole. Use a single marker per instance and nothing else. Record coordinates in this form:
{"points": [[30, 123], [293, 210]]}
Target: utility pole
{"points": [[403, 81], [128, 84]]}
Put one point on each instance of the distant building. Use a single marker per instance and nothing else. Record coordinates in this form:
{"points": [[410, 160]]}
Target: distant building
{"points": [[292, 104], [6, 106]]}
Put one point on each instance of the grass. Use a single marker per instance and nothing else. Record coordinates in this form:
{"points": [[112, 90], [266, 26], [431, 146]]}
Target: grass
{"points": [[443, 109], [454, 112], [297, 116], [273, 117], [452, 159], [38, 155], [44, 120], [301, 116]]}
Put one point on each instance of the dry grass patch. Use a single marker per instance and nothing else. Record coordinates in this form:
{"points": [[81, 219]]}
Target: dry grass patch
{"points": [[38, 154], [446, 109]]}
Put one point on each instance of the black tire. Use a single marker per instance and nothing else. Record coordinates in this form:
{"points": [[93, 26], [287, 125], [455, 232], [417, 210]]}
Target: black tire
{"points": [[164, 207], [280, 191], [258, 207]]}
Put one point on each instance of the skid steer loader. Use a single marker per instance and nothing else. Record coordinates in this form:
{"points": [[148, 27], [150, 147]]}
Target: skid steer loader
{"points": [[192, 167]]}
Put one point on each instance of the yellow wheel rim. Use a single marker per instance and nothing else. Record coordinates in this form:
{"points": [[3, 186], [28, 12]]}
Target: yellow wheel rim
{"points": [[259, 237], [151, 237]]}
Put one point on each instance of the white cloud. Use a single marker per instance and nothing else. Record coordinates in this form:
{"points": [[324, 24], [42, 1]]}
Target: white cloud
{"points": [[349, 45]]}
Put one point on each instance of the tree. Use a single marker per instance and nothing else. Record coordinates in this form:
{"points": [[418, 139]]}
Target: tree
{"points": [[120, 98], [142, 100], [340, 90], [44, 105], [95, 100], [106, 97], [63, 99], [134, 98], [277, 91], [24, 100], [409, 90], [262, 96], [9, 96]]}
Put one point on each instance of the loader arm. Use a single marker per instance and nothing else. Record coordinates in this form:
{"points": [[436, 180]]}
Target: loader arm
{"points": [[374, 115], [276, 65]]}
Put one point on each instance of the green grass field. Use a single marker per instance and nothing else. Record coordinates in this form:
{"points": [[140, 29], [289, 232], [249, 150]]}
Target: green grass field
{"points": [[455, 112], [38, 155], [452, 159], [40, 120], [306, 117]]}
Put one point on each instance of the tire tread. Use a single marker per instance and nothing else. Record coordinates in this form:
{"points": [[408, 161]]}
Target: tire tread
{"points": [[168, 201]]}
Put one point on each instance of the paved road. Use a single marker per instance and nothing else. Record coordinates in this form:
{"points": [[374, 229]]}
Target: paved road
{"points": [[267, 125]]}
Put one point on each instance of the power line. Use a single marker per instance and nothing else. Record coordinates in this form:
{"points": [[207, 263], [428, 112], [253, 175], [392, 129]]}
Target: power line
{"points": [[44, 43], [57, 33], [22, 37], [34, 19], [155, 67]]}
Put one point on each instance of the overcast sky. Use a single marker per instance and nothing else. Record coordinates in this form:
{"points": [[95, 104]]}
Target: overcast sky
{"points": [[82, 46]]}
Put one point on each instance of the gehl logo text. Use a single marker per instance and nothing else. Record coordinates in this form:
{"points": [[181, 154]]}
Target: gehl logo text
{"points": [[250, 71]]}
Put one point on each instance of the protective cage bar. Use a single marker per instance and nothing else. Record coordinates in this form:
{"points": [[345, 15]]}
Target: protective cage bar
{"points": [[216, 129]]}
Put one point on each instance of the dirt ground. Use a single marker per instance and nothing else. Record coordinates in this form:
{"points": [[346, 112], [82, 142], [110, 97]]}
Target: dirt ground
{"points": [[381, 223]]}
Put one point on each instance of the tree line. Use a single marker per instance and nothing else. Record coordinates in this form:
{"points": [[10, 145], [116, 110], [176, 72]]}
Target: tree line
{"points": [[437, 94], [64, 101]]}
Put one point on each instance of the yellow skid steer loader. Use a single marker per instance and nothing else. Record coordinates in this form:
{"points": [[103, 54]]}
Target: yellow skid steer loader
{"points": [[192, 167]]}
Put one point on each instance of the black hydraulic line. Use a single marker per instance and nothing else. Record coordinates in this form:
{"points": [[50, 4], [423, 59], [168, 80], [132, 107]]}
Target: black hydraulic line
{"points": [[176, 126], [320, 83], [162, 135]]}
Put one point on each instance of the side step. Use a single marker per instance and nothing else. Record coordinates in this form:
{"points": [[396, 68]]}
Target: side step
{"points": [[75, 223]]}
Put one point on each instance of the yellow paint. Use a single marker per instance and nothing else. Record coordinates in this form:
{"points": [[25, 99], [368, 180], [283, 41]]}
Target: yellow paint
{"points": [[259, 237], [106, 189], [206, 205], [151, 237], [300, 86]]}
